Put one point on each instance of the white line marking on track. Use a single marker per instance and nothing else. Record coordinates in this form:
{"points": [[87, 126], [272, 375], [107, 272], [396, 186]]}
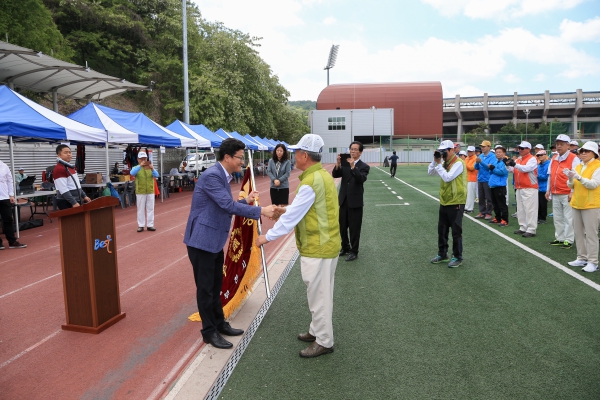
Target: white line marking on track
{"points": [[384, 205], [550, 261], [27, 350], [154, 274], [31, 284], [399, 197], [394, 192]]}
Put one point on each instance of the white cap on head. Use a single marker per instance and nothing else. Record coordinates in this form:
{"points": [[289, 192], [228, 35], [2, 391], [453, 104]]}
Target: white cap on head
{"points": [[575, 142], [525, 144], [446, 144], [471, 148], [540, 152], [21, 169], [310, 142], [462, 153], [498, 145], [563, 138], [593, 146], [142, 154], [539, 146]]}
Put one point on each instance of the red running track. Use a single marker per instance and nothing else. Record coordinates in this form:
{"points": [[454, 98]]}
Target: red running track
{"points": [[136, 358]]}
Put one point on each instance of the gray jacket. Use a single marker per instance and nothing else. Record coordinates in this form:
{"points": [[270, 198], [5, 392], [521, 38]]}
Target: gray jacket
{"points": [[283, 175]]}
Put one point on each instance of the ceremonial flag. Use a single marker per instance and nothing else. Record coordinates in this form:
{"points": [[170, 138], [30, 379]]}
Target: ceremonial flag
{"points": [[242, 258]]}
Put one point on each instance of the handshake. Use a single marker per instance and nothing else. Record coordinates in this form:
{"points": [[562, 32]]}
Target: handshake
{"points": [[272, 212]]}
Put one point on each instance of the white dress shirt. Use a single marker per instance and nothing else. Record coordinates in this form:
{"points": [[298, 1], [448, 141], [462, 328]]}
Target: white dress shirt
{"points": [[7, 188], [293, 213], [447, 176]]}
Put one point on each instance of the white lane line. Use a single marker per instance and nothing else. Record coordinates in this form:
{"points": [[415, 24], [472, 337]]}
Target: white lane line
{"points": [[550, 261], [27, 350], [385, 205], [399, 197], [31, 284], [175, 370], [153, 275], [394, 192]]}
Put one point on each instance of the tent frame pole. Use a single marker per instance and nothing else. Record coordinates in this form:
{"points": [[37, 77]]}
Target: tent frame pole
{"points": [[12, 168]]}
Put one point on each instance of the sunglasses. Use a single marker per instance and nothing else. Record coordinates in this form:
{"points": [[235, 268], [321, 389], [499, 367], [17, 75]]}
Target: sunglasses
{"points": [[540, 155], [581, 151], [522, 148]]}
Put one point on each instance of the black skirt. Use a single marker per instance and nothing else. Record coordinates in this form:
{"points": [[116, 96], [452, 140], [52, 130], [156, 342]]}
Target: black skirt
{"points": [[280, 196]]}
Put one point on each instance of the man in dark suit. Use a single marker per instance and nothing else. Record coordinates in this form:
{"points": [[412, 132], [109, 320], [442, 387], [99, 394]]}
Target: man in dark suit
{"points": [[351, 192], [207, 230]]}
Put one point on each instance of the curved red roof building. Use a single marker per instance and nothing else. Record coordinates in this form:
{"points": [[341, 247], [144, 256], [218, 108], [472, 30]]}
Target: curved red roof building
{"points": [[417, 105]]}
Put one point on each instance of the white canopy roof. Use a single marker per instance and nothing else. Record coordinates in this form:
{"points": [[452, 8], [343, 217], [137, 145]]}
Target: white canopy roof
{"points": [[28, 69]]}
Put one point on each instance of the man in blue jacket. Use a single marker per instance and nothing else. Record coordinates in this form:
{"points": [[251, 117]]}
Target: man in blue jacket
{"points": [[483, 176], [207, 231], [543, 164], [497, 184]]}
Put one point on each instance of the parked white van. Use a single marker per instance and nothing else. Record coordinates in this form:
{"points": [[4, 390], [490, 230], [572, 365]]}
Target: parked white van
{"points": [[204, 161]]}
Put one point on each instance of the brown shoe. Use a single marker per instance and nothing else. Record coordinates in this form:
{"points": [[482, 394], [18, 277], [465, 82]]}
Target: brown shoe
{"points": [[306, 337], [315, 350]]}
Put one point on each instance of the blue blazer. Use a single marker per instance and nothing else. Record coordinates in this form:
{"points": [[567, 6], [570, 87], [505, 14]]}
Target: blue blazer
{"points": [[212, 208]]}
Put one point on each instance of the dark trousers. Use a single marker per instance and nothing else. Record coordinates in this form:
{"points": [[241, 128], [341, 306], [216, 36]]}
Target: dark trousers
{"points": [[542, 206], [499, 202], [7, 221], [208, 275], [350, 220], [485, 198], [450, 217], [393, 169]]}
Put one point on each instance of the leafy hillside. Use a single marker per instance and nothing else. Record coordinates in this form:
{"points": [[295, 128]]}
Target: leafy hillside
{"points": [[231, 87]]}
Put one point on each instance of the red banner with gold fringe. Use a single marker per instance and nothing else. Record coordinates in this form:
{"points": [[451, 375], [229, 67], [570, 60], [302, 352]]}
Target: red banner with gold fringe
{"points": [[242, 259]]}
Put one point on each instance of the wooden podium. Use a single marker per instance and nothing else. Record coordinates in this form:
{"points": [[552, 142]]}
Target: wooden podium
{"points": [[88, 254]]}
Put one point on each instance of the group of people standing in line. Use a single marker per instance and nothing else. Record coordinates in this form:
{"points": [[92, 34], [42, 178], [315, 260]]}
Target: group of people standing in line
{"points": [[570, 179], [326, 224]]}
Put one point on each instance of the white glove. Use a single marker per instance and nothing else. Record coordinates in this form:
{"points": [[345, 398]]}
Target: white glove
{"points": [[571, 174]]}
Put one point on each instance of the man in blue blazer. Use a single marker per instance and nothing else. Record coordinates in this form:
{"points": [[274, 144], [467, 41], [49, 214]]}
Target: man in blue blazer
{"points": [[207, 231]]}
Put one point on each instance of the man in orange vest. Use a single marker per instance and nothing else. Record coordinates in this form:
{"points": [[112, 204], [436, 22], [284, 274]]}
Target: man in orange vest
{"points": [[560, 193], [526, 190], [471, 179]]}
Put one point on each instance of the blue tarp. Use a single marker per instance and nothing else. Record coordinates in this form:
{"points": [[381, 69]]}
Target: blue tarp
{"points": [[130, 128], [21, 117], [200, 130]]}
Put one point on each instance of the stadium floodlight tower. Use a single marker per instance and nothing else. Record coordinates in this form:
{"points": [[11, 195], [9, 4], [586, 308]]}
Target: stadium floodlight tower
{"points": [[331, 61]]}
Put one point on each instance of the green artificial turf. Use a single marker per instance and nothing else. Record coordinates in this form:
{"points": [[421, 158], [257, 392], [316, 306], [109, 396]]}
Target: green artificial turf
{"points": [[504, 325]]}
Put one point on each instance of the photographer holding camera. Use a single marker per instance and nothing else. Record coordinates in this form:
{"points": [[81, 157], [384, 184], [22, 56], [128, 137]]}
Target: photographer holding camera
{"points": [[453, 196]]}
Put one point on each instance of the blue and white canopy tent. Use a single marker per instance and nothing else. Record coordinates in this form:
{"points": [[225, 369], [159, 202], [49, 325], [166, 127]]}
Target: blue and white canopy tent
{"points": [[25, 119], [197, 131]]}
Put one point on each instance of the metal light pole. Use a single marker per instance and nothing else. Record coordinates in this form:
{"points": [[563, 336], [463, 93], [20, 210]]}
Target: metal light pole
{"points": [[331, 61], [527, 111], [186, 90], [373, 114]]}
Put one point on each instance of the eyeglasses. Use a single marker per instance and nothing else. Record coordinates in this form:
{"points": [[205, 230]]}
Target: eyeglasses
{"points": [[242, 159], [581, 151], [522, 148]]}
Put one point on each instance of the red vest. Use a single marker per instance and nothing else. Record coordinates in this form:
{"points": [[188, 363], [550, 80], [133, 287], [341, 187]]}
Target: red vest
{"points": [[525, 180], [558, 181]]}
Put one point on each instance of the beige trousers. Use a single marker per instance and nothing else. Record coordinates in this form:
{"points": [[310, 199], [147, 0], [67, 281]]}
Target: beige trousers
{"points": [[562, 213], [318, 275], [585, 225], [527, 209]]}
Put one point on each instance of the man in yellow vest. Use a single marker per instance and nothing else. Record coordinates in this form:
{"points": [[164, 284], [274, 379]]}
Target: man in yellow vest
{"points": [[144, 174], [453, 196], [314, 215]]}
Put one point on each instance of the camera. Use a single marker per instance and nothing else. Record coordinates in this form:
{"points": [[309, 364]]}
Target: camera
{"points": [[510, 163], [437, 154]]}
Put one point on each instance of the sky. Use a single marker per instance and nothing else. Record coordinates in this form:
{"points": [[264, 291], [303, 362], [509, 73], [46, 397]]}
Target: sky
{"points": [[471, 46]]}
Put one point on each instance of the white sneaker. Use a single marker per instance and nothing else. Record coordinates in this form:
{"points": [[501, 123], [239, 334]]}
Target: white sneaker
{"points": [[578, 263], [590, 268]]}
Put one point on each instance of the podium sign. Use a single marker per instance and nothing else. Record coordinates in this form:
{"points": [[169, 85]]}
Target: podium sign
{"points": [[89, 266]]}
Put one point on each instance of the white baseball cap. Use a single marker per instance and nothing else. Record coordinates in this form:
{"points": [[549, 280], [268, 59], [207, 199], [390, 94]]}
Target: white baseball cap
{"points": [[575, 142], [593, 146], [539, 146], [446, 144], [525, 144], [563, 138], [310, 142], [471, 148], [540, 152], [498, 145], [142, 154], [462, 153]]}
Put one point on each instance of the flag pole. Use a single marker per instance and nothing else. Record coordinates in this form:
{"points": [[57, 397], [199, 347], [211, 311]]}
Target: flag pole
{"points": [[262, 250]]}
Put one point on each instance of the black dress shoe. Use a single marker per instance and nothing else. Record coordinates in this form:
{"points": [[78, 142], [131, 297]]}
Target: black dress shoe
{"points": [[226, 329], [351, 257], [151, 228], [217, 341], [343, 252]]}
